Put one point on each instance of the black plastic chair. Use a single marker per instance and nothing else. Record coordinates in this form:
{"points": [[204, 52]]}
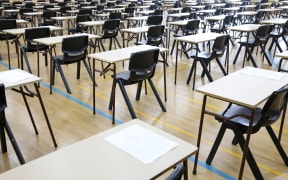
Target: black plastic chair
{"points": [[99, 9], [237, 119], [177, 173], [9, 24], [110, 31], [260, 39], [221, 44], [154, 20], [223, 28], [190, 28], [46, 18], [141, 67], [154, 36], [115, 15], [4, 126], [79, 28], [279, 33], [10, 15], [74, 51], [64, 9], [30, 34], [23, 16]]}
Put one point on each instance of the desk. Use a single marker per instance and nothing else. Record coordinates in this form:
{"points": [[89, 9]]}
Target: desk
{"points": [[194, 39], [120, 55], [19, 79], [135, 33], [34, 17], [60, 20], [242, 89], [247, 28], [96, 158], [283, 56], [52, 41]]}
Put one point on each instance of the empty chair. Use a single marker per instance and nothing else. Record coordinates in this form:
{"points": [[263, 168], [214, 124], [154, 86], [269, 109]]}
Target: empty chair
{"points": [[46, 18], [110, 31], [218, 50], [141, 67], [9, 24], [115, 15], [129, 12], [10, 15], [79, 28], [64, 9], [260, 40], [223, 28], [30, 34], [100, 9], [154, 36], [190, 28], [237, 118], [74, 51], [154, 20], [23, 16], [279, 33], [85, 11]]}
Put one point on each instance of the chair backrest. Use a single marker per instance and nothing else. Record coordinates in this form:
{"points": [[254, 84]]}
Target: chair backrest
{"points": [[192, 15], [186, 10], [142, 64], [262, 33], [155, 34], [74, 48], [48, 14], [132, 5], [130, 11], [192, 27], [48, 6], [285, 28], [177, 173], [100, 9], [35, 33], [110, 5], [64, 9], [115, 15], [273, 108], [82, 18], [110, 28], [241, 9], [85, 11], [220, 45], [177, 4], [29, 5], [158, 12], [7, 24], [218, 12], [227, 21], [3, 103], [25, 10], [154, 20], [258, 17]]}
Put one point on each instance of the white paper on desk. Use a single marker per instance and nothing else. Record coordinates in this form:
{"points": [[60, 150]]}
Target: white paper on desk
{"points": [[141, 143], [13, 76], [262, 73]]}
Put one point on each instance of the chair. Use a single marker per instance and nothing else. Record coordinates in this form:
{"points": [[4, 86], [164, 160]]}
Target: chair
{"points": [[85, 11], [64, 9], [110, 31], [9, 24], [275, 35], [129, 12], [154, 36], [141, 67], [115, 15], [154, 20], [23, 16], [99, 9], [30, 34], [260, 39], [4, 126], [47, 21], [10, 15], [220, 45], [79, 28], [226, 23], [74, 51], [237, 119], [190, 28], [177, 173]]}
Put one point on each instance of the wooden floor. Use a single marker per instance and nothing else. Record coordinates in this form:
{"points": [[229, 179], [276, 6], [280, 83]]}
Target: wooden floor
{"points": [[72, 118]]}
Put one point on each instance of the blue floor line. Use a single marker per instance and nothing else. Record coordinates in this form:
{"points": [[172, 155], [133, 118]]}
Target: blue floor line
{"points": [[117, 121]]}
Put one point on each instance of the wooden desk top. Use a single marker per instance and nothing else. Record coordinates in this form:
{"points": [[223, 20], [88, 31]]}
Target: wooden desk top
{"points": [[245, 27], [247, 13], [96, 158], [276, 21], [198, 38], [58, 39], [248, 87], [17, 77], [20, 31], [122, 54]]}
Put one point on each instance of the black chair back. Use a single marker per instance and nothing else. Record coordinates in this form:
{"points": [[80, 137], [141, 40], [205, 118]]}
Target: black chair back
{"points": [[110, 28], [192, 27], [85, 11], [142, 64], [115, 15], [154, 20], [220, 45], [35, 33], [74, 48], [155, 34]]}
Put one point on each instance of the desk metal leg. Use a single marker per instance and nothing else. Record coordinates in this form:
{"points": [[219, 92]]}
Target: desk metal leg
{"points": [[176, 63], [185, 173], [200, 133], [45, 114]]}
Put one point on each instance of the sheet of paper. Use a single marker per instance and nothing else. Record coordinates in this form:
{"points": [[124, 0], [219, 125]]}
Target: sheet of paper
{"points": [[141, 143], [262, 73], [13, 76]]}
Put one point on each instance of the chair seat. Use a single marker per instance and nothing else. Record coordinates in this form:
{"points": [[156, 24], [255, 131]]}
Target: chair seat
{"points": [[35, 48], [60, 59], [202, 55], [126, 75], [244, 122]]}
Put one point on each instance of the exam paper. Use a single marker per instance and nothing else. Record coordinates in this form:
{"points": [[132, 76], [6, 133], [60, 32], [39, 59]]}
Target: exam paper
{"points": [[141, 143]]}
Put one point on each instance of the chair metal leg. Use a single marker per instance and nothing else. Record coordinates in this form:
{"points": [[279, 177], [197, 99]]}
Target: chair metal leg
{"points": [[23, 54], [58, 66], [138, 92], [126, 98], [277, 144], [216, 144], [157, 95]]}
